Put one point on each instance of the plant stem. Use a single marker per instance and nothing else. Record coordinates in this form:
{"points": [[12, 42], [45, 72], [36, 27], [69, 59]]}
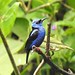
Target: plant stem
{"points": [[48, 39], [9, 53], [51, 64], [43, 6], [23, 5], [29, 4], [39, 66], [67, 6]]}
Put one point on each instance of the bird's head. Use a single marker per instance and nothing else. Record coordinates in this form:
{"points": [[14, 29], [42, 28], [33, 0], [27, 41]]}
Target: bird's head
{"points": [[37, 22]]}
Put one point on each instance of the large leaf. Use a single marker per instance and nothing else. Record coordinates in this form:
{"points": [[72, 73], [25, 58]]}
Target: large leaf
{"points": [[4, 6], [37, 3], [70, 15], [66, 23], [55, 45], [71, 3], [21, 28], [7, 20], [70, 31], [5, 64]]}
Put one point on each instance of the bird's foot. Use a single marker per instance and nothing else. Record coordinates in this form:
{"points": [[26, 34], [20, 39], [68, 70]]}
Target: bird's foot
{"points": [[33, 48], [37, 49]]}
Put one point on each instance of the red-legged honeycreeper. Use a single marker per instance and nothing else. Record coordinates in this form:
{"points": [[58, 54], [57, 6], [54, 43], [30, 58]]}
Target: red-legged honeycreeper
{"points": [[36, 36]]}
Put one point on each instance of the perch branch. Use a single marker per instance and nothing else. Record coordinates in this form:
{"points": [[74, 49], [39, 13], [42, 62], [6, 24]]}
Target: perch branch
{"points": [[9, 53], [47, 50], [50, 63]]}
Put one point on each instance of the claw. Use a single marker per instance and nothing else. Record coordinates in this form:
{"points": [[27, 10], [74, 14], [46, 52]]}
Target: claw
{"points": [[33, 48]]}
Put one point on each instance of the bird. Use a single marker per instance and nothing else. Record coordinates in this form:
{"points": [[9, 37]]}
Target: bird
{"points": [[36, 36]]}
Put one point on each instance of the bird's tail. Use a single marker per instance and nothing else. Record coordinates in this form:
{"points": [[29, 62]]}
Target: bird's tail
{"points": [[27, 55]]}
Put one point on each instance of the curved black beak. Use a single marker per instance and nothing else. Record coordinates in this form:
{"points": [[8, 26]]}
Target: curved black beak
{"points": [[43, 19]]}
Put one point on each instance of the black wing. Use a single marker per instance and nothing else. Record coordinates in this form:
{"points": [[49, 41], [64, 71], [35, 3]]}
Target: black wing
{"points": [[33, 35]]}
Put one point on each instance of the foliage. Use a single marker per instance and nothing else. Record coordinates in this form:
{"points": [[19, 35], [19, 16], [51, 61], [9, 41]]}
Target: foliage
{"points": [[16, 26]]}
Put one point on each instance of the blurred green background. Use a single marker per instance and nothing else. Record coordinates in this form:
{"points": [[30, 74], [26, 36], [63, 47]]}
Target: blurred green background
{"points": [[15, 22]]}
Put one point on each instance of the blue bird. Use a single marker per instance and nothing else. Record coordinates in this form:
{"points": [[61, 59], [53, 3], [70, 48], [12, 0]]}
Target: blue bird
{"points": [[36, 36]]}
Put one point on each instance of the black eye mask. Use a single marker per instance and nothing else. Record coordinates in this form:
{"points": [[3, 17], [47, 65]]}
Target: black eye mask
{"points": [[38, 21]]}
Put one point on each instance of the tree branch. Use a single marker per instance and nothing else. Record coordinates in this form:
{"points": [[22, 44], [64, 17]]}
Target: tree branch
{"points": [[67, 6], [48, 39], [43, 6], [50, 63], [9, 53], [29, 4], [23, 5]]}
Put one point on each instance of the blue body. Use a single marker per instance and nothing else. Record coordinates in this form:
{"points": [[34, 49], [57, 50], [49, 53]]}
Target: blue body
{"points": [[36, 36], [41, 34]]}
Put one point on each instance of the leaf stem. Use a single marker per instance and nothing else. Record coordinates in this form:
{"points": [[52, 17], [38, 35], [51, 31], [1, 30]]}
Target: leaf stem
{"points": [[9, 53], [43, 6], [67, 6], [23, 5], [29, 4]]}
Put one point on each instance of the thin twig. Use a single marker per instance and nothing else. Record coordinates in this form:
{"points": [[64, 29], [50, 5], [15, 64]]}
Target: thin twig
{"points": [[67, 6], [29, 4], [39, 66], [9, 53], [43, 6], [23, 5], [69, 70], [60, 45], [48, 39], [50, 63]]}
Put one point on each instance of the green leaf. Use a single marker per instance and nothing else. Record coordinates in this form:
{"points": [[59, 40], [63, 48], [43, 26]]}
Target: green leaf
{"points": [[72, 59], [3, 5], [45, 67], [70, 31], [5, 64], [71, 3], [65, 23], [8, 19], [36, 3], [56, 45], [21, 28], [26, 69], [70, 15]]}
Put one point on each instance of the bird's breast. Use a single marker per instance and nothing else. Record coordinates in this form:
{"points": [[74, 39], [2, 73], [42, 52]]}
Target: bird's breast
{"points": [[41, 34]]}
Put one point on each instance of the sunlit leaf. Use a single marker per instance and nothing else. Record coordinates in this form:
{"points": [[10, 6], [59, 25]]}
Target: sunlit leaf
{"points": [[71, 3], [55, 45], [4, 59], [8, 19], [69, 31], [21, 28], [65, 23], [70, 15], [4, 6]]}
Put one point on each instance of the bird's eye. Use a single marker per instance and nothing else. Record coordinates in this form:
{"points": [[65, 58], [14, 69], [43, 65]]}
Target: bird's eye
{"points": [[38, 21]]}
